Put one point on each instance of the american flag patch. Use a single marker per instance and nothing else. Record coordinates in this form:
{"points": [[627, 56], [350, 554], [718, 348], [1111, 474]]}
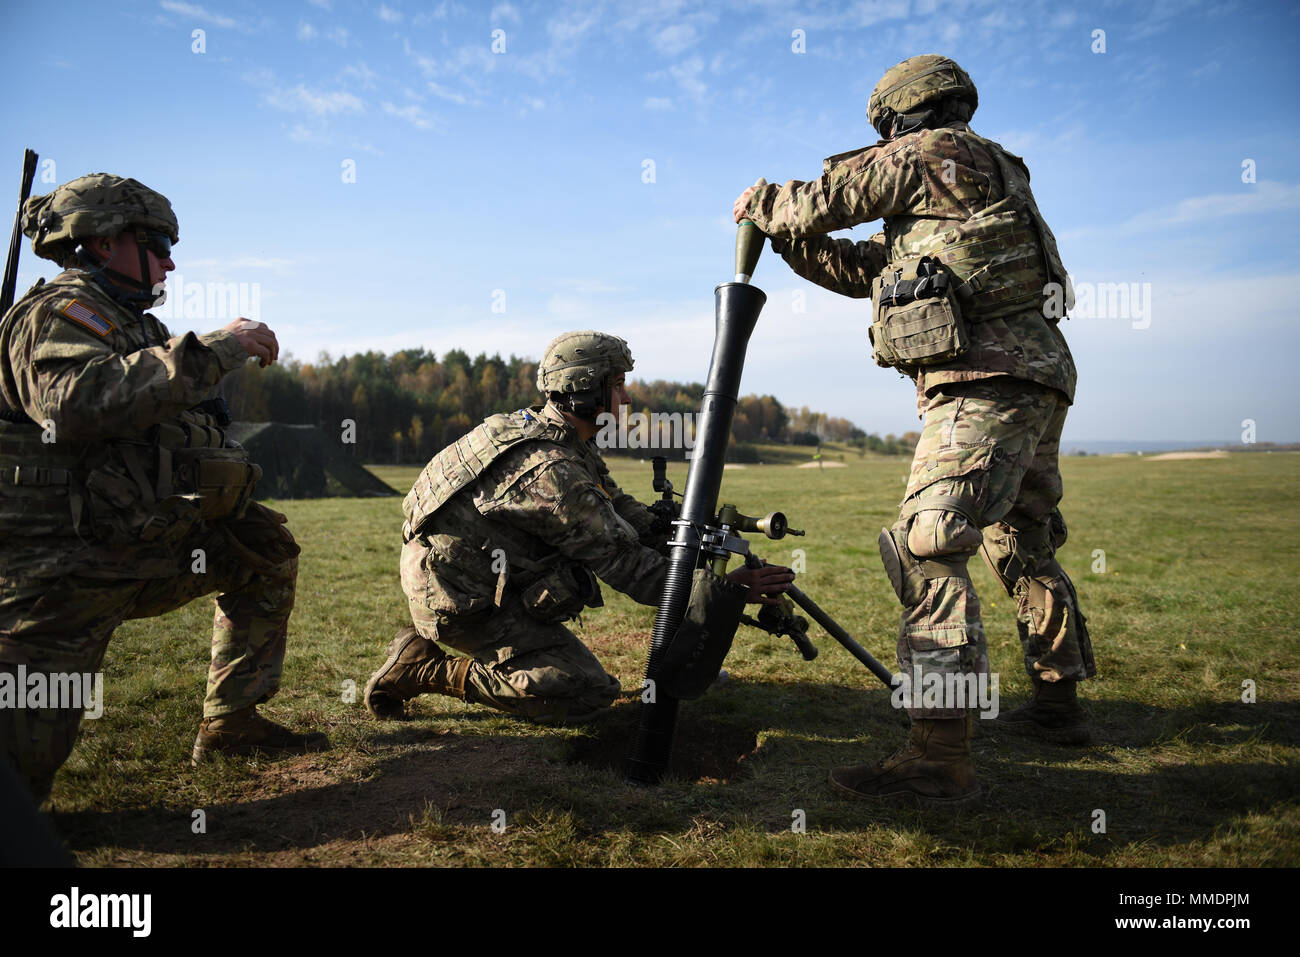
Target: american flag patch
{"points": [[88, 318]]}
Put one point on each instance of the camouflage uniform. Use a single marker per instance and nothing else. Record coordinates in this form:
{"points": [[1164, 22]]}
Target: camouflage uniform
{"points": [[987, 458], [105, 498], [493, 563]]}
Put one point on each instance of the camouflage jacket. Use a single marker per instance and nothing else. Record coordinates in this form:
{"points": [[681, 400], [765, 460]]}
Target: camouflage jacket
{"points": [[93, 377], [542, 501], [922, 185]]}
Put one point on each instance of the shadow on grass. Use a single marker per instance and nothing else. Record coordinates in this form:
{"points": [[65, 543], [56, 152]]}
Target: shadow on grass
{"points": [[742, 755]]}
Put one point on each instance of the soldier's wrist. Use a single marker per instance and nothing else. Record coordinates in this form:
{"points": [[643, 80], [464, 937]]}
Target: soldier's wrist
{"points": [[230, 352]]}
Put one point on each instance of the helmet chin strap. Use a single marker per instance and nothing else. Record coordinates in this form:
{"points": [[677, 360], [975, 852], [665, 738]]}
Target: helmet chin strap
{"points": [[141, 290]]}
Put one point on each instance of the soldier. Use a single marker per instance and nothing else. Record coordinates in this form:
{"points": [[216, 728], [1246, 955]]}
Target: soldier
{"points": [[507, 530], [958, 280], [120, 496]]}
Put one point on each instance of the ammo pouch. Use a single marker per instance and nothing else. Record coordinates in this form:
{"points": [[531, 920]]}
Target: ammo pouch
{"points": [[222, 480], [915, 318], [695, 655], [217, 476], [155, 490], [561, 592]]}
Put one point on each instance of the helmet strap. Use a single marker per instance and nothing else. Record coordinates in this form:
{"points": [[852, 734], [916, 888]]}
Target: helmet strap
{"points": [[140, 292], [905, 123]]}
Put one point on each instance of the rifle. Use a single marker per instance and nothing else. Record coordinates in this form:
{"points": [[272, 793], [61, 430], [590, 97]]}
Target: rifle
{"points": [[16, 237]]}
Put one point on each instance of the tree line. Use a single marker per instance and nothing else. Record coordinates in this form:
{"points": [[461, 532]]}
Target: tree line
{"points": [[410, 404]]}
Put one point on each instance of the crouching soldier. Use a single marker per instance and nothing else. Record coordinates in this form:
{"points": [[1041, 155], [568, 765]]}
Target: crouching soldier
{"points": [[507, 531], [120, 496]]}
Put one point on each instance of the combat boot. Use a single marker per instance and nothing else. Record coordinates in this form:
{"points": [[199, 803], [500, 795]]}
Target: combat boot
{"points": [[247, 732], [933, 767], [1054, 714], [415, 666]]}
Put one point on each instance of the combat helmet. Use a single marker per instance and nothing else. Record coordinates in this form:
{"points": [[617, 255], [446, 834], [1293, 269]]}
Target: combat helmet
{"points": [[915, 82], [100, 204], [578, 366]]}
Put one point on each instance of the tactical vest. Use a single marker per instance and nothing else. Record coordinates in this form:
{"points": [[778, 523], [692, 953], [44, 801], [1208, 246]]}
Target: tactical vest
{"points": [[149, 488], [1001, 258], [461, 463]]}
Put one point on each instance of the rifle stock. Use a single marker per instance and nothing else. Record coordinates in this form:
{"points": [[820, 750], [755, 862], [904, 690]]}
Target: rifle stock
{"points": [[16, 237]]}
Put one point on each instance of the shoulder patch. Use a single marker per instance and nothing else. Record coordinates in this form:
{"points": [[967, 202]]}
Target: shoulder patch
{"points": [[85, 316]]}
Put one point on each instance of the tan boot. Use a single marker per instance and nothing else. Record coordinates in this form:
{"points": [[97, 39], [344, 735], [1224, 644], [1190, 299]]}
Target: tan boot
{"points": [[1054, 714], [934, 767], [247, 732], [415, 666]]}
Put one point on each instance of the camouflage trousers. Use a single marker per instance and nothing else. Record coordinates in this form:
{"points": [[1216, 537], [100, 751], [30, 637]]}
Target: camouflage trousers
{"points": [[62, 626], [522, 666], [985, 477]]}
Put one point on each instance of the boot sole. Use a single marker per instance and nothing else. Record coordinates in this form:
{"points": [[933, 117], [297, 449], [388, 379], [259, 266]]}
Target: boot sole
{"points": [[901, 797], [395, 649]]}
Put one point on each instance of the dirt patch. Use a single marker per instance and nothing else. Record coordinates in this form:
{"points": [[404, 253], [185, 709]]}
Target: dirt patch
{"points": [[817, 465], [1167, 456], [319, 808], [703, 750]]}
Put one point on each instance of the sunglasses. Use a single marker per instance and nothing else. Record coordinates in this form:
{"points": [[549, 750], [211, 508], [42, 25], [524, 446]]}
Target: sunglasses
{"points": [[160, 244]]}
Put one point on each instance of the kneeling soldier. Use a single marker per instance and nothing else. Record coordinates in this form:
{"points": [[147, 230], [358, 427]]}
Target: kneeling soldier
{"points": [[507, 531], [120, 496]]}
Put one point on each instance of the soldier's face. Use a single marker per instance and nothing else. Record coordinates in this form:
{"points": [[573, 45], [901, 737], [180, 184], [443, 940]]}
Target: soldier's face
{"points": [[122, 256], [618, 393]]}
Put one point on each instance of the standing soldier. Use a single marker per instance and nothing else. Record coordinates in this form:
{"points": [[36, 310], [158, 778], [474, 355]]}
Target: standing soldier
{"points": [[967, 289], [120, 496], [507, 530]]}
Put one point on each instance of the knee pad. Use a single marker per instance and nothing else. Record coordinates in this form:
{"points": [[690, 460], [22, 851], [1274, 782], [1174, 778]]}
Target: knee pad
{"points": [[932, 543]]}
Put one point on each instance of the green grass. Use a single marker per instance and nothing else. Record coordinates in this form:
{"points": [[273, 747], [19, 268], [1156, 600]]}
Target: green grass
{"points": [[1195, 599]]}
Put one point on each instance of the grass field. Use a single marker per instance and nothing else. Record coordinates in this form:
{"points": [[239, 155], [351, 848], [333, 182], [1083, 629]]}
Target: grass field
{"points": [[1201, 557]]}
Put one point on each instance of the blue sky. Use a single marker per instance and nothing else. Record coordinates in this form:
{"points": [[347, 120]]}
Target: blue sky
{"points": [[502, 197]]}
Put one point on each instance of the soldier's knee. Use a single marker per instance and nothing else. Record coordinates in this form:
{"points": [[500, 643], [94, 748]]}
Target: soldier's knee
{"points": [[935, 543], [936, 532]]}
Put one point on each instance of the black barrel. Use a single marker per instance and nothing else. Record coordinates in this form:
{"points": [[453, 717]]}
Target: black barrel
{"points": [[736, 312]]}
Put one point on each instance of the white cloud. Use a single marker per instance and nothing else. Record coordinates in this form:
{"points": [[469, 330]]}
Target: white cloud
{"points": [[442, 11], [201, 14], [388, 14], [503, 12], [339, 35], [1263, 197], [306, 31], [361, 73], [568, 28], [302, 98], [687, 75], [450, 95], [411, 113], [657, 103], [675, 39]]}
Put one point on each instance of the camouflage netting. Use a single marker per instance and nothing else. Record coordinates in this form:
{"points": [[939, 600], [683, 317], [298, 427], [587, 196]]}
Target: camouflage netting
{"points": [[300, 461]]}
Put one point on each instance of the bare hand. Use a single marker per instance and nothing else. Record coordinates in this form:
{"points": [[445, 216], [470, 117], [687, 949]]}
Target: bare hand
{"points": [[765, 584], [742, 201], [256, 338]]}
